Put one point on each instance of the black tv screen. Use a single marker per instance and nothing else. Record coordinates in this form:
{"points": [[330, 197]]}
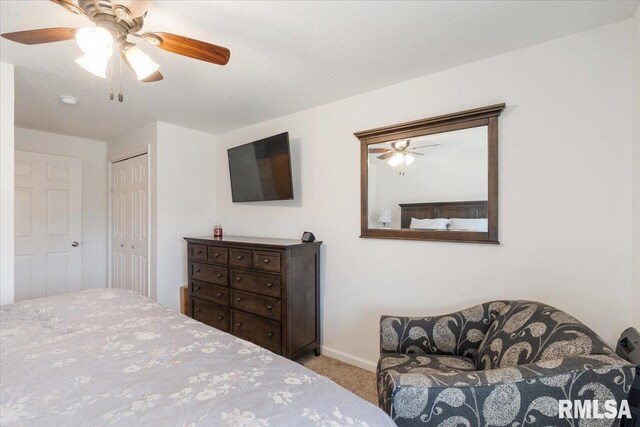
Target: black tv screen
{"points": [[261, 170]]}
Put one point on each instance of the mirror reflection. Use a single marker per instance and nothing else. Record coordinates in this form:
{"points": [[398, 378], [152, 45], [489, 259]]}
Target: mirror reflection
{"points": [[433, 182]]}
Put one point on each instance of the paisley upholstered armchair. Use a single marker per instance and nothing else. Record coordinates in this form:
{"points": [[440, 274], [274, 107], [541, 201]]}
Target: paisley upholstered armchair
{"points": [[502, 363]]}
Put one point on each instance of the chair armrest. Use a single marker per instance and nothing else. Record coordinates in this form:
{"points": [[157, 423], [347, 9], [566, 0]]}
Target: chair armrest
{"points": [[458, 333], [525, 394]]}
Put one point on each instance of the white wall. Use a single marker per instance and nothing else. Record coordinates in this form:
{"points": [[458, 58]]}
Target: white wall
{"points": [[94, 194], [635, 301], [565, 193], [183, 188], [186, 202], [6, 182]]}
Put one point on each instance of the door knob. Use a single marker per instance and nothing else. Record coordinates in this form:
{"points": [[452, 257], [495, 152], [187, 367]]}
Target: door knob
{"points": [[75, 244]]}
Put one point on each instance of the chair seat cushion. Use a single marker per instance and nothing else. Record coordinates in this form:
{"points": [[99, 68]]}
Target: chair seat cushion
{"points": [[425, 364]]}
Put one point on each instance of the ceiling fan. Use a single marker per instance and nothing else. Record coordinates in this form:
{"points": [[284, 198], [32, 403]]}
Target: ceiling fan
{"points": [[400, 152], [114, 22]]}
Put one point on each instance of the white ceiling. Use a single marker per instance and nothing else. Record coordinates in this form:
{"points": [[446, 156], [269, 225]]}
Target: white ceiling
{"points": [[285, 56]]}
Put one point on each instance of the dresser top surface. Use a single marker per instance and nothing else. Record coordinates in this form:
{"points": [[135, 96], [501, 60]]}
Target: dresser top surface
{"points": [[248, 240]]}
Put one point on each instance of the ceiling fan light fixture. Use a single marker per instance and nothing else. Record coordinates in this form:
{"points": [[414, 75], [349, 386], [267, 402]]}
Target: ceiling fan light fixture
{"points": [[396, 160], [95, 40], [408, 159], [140, 62], [95, 64]]}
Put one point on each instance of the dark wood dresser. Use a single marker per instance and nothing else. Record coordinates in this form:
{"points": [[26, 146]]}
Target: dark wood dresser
{"points": [[266, 291]]}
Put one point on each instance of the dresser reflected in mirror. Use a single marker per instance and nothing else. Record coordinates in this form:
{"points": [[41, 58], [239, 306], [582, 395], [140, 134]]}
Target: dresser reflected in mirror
{"points": [[434, 179]]}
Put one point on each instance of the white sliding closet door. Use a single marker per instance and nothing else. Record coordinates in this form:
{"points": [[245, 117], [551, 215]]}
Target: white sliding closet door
{"points": [[48, 224], [129, 224]]}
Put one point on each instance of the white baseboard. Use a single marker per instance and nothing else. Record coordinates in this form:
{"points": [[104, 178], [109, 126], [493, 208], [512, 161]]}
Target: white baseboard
{"points": [[347, 358]]}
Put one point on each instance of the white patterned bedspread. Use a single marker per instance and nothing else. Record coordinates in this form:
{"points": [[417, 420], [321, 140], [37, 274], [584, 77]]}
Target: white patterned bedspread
{"points": [[111, 356]]}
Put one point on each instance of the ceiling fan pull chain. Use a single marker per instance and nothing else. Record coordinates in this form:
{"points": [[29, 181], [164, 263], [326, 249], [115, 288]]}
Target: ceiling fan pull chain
{"points": [[120, 95]]}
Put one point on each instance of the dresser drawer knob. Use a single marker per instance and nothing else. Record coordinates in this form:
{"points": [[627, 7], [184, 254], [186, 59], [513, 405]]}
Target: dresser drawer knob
{"points": [[269, 307], [197, 288], [239, 299], [197, 271], [270, 334], [220, 294], [216, 256], [198, 310], [219, 275], [269, 285], [240, 256], [239, 324], [267, 260], [238, 278], [220, 317]]}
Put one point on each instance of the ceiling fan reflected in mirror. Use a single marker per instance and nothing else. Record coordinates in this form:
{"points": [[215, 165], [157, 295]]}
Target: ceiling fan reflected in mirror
{"points": [[400, 152], [114, 21]]}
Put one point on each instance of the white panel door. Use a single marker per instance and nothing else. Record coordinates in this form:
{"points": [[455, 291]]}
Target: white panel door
{"points": [[48, 223], [129, 224]]}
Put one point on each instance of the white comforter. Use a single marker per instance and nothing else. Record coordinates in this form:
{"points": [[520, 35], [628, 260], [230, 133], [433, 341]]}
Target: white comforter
{"points": [[110, 356]]}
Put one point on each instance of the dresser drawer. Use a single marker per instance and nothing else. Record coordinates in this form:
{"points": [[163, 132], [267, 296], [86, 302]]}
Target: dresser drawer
{"points": [[262, 284], [266, 261], [218, 255], [198, 252], [240, 257], [209, 273], [210, 314], [216, 293], [258, 330], [256, 304]]}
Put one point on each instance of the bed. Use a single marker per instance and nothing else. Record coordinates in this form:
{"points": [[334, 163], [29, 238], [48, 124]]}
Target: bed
{"points": [[462, 210], [111, 356]]}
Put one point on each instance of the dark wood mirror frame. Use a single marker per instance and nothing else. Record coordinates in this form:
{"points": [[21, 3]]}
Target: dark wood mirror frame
{"points": [[485, 116]]}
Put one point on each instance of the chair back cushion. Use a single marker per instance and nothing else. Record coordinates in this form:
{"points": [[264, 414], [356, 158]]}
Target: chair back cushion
{"points": [[528, 331]]}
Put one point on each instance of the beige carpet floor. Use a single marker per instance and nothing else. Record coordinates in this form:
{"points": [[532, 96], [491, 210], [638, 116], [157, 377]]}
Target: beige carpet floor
{"points": [[357, 380]]}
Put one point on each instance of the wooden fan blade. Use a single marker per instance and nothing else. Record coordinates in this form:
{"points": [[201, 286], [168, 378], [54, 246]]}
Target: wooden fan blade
{"points": [[155, 77], [378, 150], [44, 35], [387, 155], [192, 48]]}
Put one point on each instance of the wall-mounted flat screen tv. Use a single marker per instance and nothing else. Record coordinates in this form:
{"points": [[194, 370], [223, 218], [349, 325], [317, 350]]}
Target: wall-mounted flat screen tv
{"points": [[261, 170]]}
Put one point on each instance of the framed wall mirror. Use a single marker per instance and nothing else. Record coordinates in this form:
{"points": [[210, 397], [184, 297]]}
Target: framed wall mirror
{"points": [[432, 179]]}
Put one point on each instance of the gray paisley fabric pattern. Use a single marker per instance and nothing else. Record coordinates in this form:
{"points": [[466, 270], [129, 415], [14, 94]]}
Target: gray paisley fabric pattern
{"points": [[457, 334], [544, 355], [113, 357]]}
